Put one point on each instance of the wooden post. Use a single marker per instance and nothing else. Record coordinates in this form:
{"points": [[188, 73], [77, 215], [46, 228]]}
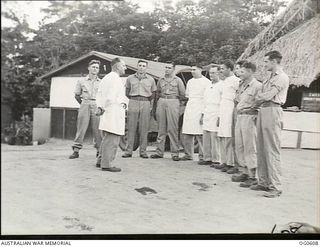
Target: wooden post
{"points": [[299, 139], [63, 123]]}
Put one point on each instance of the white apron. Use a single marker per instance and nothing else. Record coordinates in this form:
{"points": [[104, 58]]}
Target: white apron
{"points": [[110, 97], [226, 117], [195, 106], [191, 118], [230, 86], [212, 98]]}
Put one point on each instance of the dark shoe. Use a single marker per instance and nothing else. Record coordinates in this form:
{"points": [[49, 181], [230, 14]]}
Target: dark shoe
{"points": [[258, 187], [214, 165], [126, 156], [175, 158], [249, 182], [111, 169], [272, 193], [98, 165], [219, 166], [239, 178], [184, 158], [156, 156], [74, 155], [144, 156], [233, 170], [226, 168], [205, 163]]}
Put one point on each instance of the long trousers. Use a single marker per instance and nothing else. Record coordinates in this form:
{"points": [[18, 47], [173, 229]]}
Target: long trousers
{"points": [[246, 143], [269, 146], [234, 122], [86, 114], [211, 148], [168, 120], [189, 145], [226, 151], [138, 115], [108, 150]]}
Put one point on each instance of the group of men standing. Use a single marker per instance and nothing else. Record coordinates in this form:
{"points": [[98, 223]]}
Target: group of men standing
{"points": [[236, 119]]}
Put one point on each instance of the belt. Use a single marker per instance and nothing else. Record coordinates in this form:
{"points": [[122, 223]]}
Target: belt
{"points": [[89, 99], [248, 113], [140, 98], [169, 97], [270, 104]]}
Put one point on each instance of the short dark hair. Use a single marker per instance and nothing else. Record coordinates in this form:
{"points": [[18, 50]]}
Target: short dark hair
{"points": [[241, 62], [228, 63], [249, 65], [142, 61], [115, 61], [94, 61], [197, 65], [214, 66], [274, 55], [172, 63]]}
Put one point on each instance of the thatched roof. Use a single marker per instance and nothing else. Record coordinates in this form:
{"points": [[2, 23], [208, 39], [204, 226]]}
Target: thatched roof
{"points": [[296, 13], [300, 50]]}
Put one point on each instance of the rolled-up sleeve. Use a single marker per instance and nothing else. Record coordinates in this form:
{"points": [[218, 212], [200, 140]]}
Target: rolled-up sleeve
{"points": [[280, 82], [269, 94], [99, 98], [128, 84], [181, 88], [187, 91], [153, 85], [78, 89]]}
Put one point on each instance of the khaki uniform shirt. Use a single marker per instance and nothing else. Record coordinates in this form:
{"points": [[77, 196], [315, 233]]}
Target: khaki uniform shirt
{"points": [[173, 87], [86, 88], [280, 81], [245, 96], [143, 86]]}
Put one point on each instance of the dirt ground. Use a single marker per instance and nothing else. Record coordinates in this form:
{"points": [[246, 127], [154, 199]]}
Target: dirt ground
{"points": [[43, 192]]}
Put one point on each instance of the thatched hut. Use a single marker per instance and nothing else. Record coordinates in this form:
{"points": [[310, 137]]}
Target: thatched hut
{"points": [[300, 48]]}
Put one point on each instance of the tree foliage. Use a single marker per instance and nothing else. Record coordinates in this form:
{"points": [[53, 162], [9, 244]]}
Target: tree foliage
{"points": [[189, 33]]}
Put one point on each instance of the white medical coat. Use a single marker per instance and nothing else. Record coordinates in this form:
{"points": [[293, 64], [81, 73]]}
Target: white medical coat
{"points": [[110, 97], [195, 106]]}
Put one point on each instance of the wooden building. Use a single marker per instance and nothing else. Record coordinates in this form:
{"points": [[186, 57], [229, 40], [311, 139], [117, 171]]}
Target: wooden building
{"points": [[64, 107]]}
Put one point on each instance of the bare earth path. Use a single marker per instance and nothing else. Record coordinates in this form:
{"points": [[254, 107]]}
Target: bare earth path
{"points": [[43, 192]]}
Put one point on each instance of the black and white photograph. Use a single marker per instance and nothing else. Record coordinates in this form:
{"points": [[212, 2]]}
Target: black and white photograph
{"points": [[159, 119]]}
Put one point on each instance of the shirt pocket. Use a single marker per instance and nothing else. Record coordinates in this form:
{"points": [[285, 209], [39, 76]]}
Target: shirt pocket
{"points": [[134, 85], [96, 87], [173, 87], [146, 83], [249, 98], [162, 86], [84, 88]]}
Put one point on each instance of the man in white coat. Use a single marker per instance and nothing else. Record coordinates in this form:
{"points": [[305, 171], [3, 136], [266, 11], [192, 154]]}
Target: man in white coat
{"points": [[112, 103], [225, 121], [212, 98], [191, 120]]}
